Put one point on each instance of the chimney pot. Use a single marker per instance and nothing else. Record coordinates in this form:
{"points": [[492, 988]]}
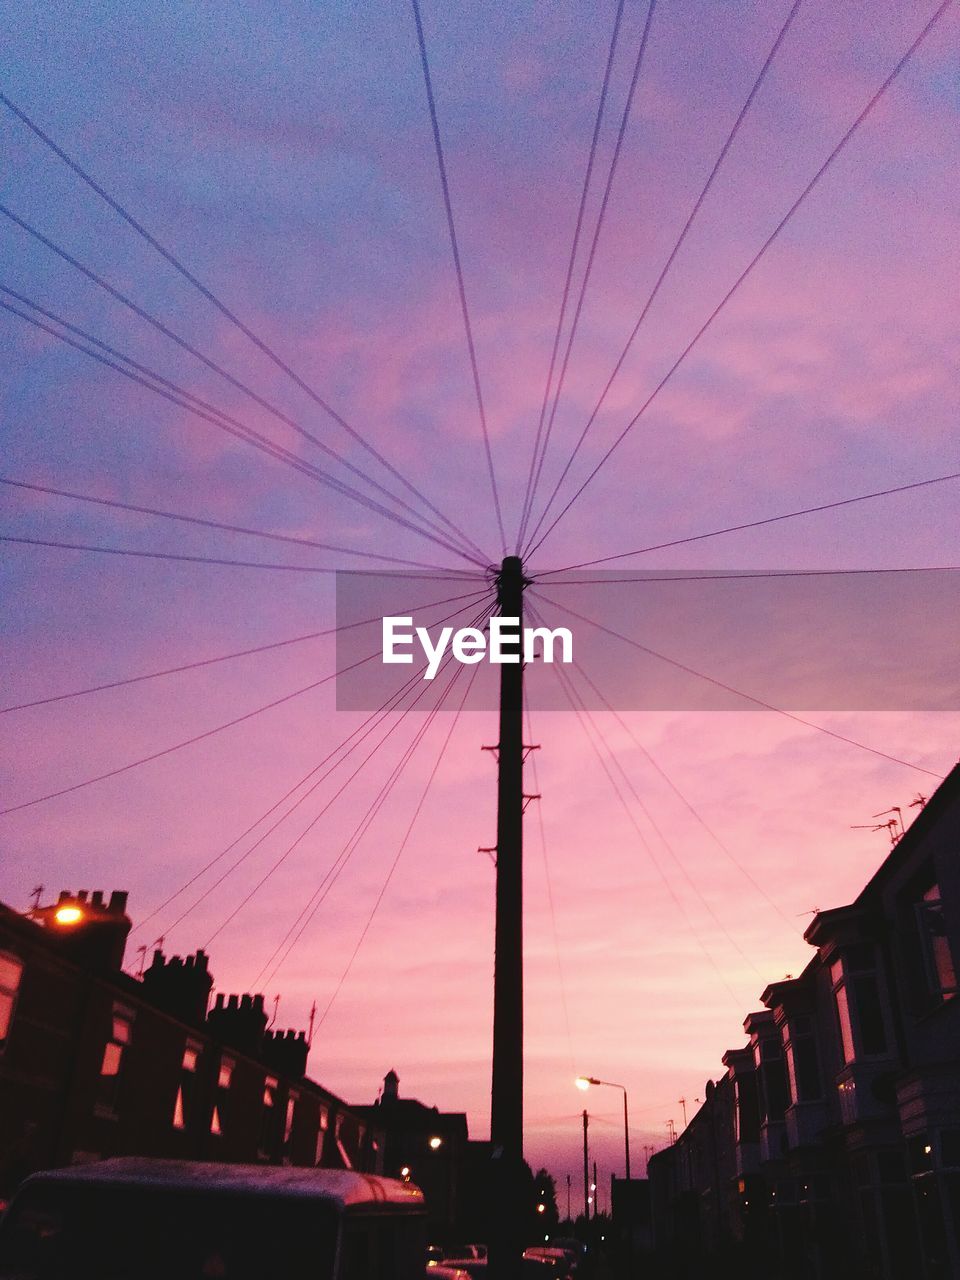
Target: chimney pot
{"points": [[81, 895], [118, 901], [96, 898], [64, 895]]}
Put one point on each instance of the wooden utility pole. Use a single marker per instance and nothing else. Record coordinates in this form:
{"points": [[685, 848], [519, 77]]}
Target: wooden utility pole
{"points": [[586, 1168], [506, 1116]]}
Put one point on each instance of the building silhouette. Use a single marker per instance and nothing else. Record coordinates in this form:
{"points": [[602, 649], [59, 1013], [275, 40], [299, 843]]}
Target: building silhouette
{"points": [[96, 1063], [830, 1146]]}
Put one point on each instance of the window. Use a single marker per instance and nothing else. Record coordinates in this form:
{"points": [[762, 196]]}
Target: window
{"points": [[843, 1012], [268, 1119], [292, 1099], [856, 993], [747, 1113], [10, 972], [324, 1124], [114, 1053], [803, 1070], [939, 969], [221, 1104], [773, 1094], [339, 1136], [186, 1089]]}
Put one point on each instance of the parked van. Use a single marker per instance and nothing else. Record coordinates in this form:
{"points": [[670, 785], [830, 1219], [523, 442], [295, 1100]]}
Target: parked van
{"points": [[138, 1219]]}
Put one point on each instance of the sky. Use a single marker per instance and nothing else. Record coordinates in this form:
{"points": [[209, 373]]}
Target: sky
{"points": [[284, 153]]}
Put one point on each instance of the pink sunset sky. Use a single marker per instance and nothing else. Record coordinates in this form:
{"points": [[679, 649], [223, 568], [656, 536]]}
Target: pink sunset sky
{"points": [[285, 155]]}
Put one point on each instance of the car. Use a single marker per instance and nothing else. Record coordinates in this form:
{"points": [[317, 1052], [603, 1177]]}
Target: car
{"points": [[131, 1218], [551, 1262], [561, 1260], [441, 1271], [466, 1251]]}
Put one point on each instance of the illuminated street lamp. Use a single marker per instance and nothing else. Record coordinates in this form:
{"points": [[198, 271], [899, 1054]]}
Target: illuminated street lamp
{"points": [[584, 1083], [435, 1143], [68, 915]]}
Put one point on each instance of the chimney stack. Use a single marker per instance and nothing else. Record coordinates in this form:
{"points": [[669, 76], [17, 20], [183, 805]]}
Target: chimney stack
{"points": [[179, 987], [89, 933], [286, 1052], [239, 1021]]}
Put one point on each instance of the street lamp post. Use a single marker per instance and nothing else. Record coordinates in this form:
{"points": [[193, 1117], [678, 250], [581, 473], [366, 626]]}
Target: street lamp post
{"points": [[584, 1082]]}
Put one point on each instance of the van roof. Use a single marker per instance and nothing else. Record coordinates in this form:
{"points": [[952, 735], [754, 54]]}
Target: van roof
{"points": [[341, 1187]]}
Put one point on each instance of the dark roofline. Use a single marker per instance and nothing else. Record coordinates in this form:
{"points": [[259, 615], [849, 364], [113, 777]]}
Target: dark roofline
{"points": [[947, 794], [121, 983], [936, 808]]}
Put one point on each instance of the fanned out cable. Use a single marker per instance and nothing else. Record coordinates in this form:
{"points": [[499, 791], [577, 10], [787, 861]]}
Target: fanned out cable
{"points": [[207, 662], [668, 575], [146, 377], [310, 825], [223, 562], [754, 524], [784, 221], [307, 913], [572, 692], [187, 742], [208, 413], [220, 525], [678, 245], [638, 64], [654, 764], [549, 883], [224, 310], [400, 849], [578, 227], [333, 872], [458, 267], [645, 844], [387, 705], [739, 693]]}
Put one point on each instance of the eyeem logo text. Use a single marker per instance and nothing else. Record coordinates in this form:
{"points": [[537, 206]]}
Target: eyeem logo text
{"points": [[470, 645]]}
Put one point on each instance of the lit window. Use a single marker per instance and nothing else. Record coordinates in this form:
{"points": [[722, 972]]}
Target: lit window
{"points": [[111, 1067], [221, 1103], [183, 1106], [941, 973], [856, 992], [338, 1135], [322, 1126], [10, 972], [846, 1027], [268, 1122], [288, 1118], [800, 1048]]}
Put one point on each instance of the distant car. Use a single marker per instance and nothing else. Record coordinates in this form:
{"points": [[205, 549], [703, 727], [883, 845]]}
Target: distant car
{"points": [[562, 1260], [434, 1254], [440, 1271], [548, 1262], [471, 1266], [139, 1219], [466, 1251], [576, 1248]]}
